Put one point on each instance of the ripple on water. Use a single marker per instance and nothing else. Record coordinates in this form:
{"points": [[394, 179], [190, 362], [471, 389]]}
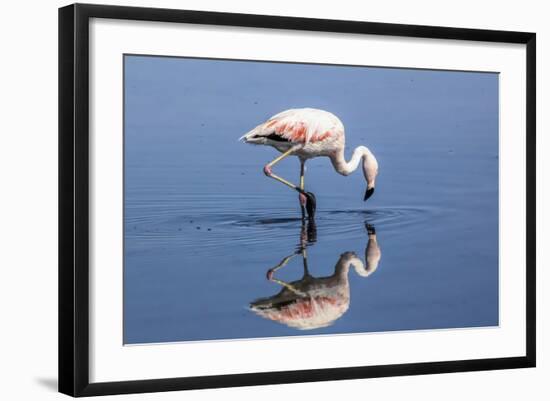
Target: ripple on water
{"points": [[213, 230]]}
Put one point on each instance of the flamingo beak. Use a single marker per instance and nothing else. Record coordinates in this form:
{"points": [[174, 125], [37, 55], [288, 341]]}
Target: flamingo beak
{"points": [[368, 193]]}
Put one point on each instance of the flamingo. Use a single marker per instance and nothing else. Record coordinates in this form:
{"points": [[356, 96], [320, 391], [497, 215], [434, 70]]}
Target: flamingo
{"points": [[308, 133]]}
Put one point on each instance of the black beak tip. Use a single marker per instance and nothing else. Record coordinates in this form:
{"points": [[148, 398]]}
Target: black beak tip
{"points": [[368, 193], [370, 229]]}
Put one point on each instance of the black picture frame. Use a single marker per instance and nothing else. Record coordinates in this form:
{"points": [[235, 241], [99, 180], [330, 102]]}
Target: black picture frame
{"points": [[74, 197]]}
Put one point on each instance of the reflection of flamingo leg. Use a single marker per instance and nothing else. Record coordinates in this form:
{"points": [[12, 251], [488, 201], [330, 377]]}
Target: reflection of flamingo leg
{"points": [[282, 263], [304, 259], [288, 286]]}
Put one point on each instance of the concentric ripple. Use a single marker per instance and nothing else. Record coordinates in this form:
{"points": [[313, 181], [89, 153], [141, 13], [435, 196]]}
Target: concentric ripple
{"points": [[208, 228]]}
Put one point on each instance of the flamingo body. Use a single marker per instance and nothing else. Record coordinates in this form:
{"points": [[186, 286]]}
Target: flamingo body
{"points": [[315, 132]]}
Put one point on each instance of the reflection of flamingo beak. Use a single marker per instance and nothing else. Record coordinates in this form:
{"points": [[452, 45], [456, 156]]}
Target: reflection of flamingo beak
{"points": [[370, 229], [368, 193]]}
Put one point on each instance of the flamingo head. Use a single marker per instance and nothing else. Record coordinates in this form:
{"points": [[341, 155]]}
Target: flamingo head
{"points": [[370, 171]]}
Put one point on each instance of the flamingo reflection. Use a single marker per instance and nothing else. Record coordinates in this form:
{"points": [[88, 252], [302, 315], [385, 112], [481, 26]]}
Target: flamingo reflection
{"points": [[315, 302]]}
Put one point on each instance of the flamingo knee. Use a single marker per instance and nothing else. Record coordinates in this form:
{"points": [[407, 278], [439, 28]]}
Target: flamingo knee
{"points": [[267, 170]]}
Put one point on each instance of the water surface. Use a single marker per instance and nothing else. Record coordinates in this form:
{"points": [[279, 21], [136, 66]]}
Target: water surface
{"points": [[203, 225]]}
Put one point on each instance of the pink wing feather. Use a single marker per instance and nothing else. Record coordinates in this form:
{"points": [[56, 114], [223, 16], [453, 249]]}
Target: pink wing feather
{"points": [[301, 126]]}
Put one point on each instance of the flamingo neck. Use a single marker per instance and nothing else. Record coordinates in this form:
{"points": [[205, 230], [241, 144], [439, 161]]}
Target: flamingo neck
{"points": [[346, 168]]}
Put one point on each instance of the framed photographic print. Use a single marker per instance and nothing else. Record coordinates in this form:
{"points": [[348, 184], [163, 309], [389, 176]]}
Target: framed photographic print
{"points": [[250, 199]]}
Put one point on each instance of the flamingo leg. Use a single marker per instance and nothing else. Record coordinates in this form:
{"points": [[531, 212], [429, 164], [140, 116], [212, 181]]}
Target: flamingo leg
{"points": [[310, 203], [268, 172], [302, 173], [303, 198]]}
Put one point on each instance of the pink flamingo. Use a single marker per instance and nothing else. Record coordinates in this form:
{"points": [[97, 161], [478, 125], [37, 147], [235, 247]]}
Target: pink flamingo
{"points": [[309, 133]]}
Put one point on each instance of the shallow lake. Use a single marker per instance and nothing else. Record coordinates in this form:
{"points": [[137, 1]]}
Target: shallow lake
{"points": [[204, 226]]}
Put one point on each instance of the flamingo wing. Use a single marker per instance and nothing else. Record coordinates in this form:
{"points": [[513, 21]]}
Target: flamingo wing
{"points": [[299, 126]]}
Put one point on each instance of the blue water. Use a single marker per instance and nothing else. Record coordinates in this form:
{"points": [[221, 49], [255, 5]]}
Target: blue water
{"points": [[203, 225]]}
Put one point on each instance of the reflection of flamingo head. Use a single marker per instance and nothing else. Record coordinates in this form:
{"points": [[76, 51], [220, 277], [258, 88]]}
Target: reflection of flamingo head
{"points": [[372, 258]]}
